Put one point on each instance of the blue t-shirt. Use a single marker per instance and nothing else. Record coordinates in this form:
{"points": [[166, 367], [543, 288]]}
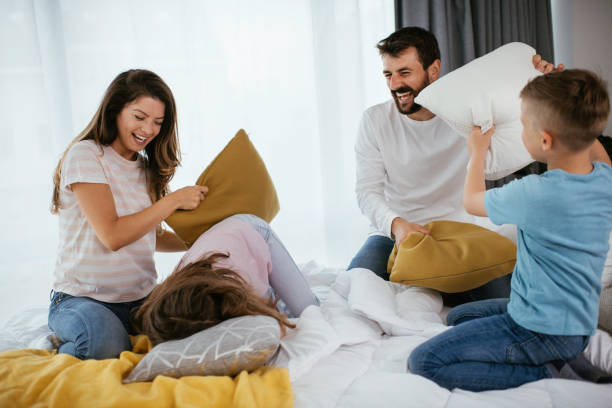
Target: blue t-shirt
{"points": [[564, 222]]}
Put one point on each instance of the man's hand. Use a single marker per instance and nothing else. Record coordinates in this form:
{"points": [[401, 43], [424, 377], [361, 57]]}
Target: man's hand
{"points": [[477, 142], [400, 229], [544, 66]]}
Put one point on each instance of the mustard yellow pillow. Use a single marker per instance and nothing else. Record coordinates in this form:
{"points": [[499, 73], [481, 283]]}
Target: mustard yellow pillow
{"points": [[455, 257], [238, 182]]}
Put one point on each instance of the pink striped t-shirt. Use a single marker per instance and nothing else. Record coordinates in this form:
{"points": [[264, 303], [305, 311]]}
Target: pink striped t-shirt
{"points": [[249, 254], [84, 266]]}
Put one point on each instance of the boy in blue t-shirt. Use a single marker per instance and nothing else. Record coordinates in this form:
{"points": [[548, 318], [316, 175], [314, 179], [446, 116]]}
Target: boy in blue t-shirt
{"points": [[564, 218]]}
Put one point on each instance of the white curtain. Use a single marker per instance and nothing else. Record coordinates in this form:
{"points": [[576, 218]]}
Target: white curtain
{"points": [[295, 74]]}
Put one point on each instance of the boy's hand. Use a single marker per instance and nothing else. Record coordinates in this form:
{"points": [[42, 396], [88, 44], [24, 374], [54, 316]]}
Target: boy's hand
{"points": [[478, 142]]}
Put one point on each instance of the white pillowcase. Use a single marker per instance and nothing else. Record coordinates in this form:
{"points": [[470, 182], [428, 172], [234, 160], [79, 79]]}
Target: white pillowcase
{"points": [[485, 92]]}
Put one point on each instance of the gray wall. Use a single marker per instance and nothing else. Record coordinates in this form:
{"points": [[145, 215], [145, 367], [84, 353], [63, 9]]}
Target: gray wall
{"points": [[582, 35]]}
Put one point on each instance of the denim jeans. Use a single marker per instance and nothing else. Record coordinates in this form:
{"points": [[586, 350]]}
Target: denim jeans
{"points": [[286, 280], [374, 255], [88, 328], [487, 350]]}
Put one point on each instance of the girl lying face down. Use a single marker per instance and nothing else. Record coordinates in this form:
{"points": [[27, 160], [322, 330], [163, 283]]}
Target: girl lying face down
{"points": [[200, 296], [236, 268]]}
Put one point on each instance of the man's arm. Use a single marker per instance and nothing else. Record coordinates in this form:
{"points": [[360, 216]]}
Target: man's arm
{"points": [[474, 189], [598, 153], [369, 188], [370, 176]]}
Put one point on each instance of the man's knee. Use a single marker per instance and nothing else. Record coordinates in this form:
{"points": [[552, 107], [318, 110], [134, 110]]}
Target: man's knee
{"points": [[374, 255]]}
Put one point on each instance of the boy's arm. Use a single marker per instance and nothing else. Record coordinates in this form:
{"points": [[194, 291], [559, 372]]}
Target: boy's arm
{"points": [[474, 189]]}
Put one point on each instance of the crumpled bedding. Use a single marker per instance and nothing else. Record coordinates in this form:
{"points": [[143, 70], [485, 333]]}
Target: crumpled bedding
{"points": [[352, 351]]}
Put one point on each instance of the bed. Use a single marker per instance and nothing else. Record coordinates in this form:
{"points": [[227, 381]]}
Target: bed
{"points": [[352, 350]]}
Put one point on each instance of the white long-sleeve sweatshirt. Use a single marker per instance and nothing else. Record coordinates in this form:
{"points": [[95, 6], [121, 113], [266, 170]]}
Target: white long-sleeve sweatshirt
{"points": [[407, 168]]}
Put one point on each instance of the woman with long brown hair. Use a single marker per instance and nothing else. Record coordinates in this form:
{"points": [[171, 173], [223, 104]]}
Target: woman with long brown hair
{"points": [[111, 194], [238, 267]]}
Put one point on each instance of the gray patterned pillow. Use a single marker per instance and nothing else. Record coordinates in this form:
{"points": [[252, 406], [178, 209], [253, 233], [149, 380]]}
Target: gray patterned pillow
{"points": [[241, 343]]}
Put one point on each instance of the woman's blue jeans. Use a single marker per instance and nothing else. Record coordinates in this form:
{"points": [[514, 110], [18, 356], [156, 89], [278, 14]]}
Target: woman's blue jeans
{"points": [[487, 350], [88, 328]]}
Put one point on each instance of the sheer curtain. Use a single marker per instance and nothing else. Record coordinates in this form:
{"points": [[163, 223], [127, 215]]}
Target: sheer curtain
{"points": [[296, 75]]}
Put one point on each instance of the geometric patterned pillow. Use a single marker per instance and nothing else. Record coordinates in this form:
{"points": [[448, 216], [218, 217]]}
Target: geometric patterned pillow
{"points": [[241, 343]]}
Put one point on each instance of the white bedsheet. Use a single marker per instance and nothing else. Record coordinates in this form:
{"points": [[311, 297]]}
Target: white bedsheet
{"points": [[352, 351]]}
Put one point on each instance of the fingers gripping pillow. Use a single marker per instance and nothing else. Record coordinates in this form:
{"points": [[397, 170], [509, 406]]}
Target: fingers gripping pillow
{"points": [[238, 182], [454, 257], [483, 93]]}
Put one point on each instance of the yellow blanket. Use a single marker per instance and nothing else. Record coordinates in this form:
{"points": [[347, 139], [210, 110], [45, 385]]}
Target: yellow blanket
{"points": [[31, 378]]}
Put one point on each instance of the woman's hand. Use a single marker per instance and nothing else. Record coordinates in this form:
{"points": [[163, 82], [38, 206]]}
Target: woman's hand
{"points": [[189, 198]]}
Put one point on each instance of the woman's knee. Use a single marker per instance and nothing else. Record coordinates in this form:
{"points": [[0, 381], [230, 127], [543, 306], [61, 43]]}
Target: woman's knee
{"points": [[88, 330]]}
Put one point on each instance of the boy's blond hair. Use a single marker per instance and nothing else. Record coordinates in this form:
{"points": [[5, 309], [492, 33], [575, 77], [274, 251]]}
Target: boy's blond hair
{"points": [[573, 105]]}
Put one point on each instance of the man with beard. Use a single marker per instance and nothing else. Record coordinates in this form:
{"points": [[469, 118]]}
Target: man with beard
{"points": [[411, 166]]}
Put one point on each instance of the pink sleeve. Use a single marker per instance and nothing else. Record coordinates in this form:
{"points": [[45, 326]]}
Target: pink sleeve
{"points": [[82, 165]]}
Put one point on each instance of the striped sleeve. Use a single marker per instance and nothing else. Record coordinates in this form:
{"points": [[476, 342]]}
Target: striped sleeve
{"points": [[82, 165]]}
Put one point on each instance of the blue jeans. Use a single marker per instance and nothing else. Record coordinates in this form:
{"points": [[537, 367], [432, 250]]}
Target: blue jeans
{"points": [[88, 328], [487, 350], [374, 255], [286, 280]]}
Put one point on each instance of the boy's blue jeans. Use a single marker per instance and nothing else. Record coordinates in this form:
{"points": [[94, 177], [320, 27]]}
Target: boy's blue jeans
{"points": [[487, 350]]}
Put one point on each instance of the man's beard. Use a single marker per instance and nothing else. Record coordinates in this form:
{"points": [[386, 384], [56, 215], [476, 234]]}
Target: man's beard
{"points": [[413, 107]]}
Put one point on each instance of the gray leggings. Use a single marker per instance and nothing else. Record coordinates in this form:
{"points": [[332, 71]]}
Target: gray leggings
{"points": [[286, 280]]}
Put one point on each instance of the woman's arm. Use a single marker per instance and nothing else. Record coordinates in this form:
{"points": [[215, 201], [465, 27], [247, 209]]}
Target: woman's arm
{"points": [[168, 241], [97, 203]]}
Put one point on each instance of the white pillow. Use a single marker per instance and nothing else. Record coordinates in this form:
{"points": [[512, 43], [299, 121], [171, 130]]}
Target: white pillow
{"points": [[485, 92]]}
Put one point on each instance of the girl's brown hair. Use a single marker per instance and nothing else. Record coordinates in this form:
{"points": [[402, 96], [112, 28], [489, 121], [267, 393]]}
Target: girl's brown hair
{"points": [[197, 297], [161, 155]]}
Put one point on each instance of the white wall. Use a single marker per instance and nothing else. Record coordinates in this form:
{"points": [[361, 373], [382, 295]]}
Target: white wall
{"points": [[582, 35]]}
